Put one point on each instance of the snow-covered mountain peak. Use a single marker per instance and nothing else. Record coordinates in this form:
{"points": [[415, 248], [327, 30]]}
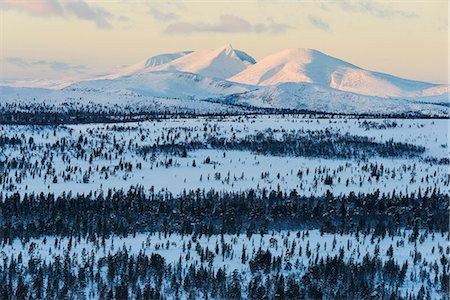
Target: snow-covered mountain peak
{"points": [[225, 51], [222, 62], [302, 54], [312, 66], [292, 78], [227, 48], [161, 59], [292, 65], [143, 66]]}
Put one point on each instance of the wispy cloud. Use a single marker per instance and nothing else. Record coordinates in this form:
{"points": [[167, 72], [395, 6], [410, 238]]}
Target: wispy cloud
{"points": [[165, 11], [319, 23], [161, 15], [377, 9], [54, 65], [45, 8], [227, 24], [42, 8], [85, 12]]}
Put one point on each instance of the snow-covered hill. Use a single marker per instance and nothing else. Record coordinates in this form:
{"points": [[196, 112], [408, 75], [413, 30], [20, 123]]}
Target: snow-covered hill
{"points": [[165, 84], [95, 101], [312, 66], [313, 97], [52, 84]]}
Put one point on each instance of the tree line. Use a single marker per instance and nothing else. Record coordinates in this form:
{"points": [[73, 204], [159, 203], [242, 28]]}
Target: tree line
{"points": [[213, 212]]}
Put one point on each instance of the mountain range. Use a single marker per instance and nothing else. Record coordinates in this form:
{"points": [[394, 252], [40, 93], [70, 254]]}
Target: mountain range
{"points": [[292, 78]]}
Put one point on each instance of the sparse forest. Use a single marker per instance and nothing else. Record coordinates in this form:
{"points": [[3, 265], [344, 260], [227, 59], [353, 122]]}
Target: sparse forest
{"points": [[224, 207]]}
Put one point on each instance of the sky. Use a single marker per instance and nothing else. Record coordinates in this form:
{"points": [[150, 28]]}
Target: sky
{"points": [[54, 39]]}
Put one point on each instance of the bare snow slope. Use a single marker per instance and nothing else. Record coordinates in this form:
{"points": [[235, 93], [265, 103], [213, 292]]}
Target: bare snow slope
{"points": [[195, 75], [54, 84], [165, 84], [313, 97], [144, 66], [312, 66], [221, 63], [69, 100], [293, 78], [139, 67]]}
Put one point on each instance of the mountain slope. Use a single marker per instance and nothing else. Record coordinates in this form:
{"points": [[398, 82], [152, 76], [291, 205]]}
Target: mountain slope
{"points": [[312, 66], [221, 63], [71, 101], [139, 67], [193, 75], [312, 97], [165, 84], [53, 84], [291, 79], [144, 66]]}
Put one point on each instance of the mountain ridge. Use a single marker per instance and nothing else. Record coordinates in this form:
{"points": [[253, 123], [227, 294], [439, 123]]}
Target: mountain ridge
{"points": [[294, 78], [313, 66]]}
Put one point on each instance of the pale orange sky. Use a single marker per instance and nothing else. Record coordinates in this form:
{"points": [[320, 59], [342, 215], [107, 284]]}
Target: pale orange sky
{"points": [[42, 39]]}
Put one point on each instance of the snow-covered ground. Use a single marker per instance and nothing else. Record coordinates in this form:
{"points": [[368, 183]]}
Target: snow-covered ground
{"points": [[113, 145], [313, 97], [119, 101], [298, 250], [97, 157]]}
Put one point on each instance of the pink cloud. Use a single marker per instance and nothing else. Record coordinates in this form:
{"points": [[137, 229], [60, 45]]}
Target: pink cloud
{"points": [[46, 8], [36, 8]]}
